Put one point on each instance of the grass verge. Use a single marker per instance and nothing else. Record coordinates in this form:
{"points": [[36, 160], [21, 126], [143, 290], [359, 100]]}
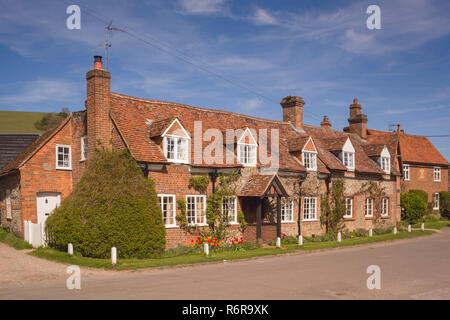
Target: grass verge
{"points": [[10, 239], [434, 224], [126, 264]]}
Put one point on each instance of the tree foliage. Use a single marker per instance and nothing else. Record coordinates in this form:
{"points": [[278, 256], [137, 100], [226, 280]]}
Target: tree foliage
{"points": [[413, 206], [444, 203], [51, 120], [113, 204], [333, 207]]}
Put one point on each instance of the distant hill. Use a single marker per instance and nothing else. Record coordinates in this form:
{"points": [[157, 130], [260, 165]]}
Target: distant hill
{"points": [[19, 121]]}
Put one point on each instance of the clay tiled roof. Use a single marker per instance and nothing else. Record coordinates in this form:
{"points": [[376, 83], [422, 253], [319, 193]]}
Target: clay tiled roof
{"points": [[258, 185], [12, 144], [26, 154], [329, 141], [156, 128], [136, 117], [420, 150]]}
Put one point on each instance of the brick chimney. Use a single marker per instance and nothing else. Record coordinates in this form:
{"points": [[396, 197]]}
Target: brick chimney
{"points": [[326, 124], [98, 106], [357, 120], [293, 110]]}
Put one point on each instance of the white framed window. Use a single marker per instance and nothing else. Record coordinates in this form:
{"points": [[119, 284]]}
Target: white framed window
{"points": [[309, 209], [176, 148], [309, 160], [385, 207], [8, 205], [247, 154], [406, 172], [63, 157], [348, 207], [436, 200], [287, 211], [168, 209], [229, 208], [348, 159], [437, 174], [196, 209], [247, 149], [84, 148], [386, 164], [369, 207]]}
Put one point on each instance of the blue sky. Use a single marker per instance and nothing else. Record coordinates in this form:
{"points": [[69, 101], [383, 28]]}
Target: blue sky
{"points": [[320, 50]]}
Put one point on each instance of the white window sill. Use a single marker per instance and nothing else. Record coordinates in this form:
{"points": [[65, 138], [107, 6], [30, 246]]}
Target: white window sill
{"points": [[171, 226], [347, 217], [309, 220], [248, 164], [289, 221], [178, 161], [233, 223], [436, 208], [198, 224], [83, 160], [66, 169]]}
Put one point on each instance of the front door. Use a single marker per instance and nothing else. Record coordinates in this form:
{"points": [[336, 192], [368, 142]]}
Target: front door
{"points": [[46, 203]]}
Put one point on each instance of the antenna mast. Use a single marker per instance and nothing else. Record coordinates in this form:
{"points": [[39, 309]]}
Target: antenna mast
{"points": [[108, 34]]}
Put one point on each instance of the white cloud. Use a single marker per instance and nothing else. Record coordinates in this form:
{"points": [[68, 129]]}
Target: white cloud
{"points": [[415, 109], [202, 6], [43, 90], [263, 17], [249, 104]]}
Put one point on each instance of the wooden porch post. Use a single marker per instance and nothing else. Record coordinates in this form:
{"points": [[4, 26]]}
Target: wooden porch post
{"points": [[278, 216], [259, 222]]}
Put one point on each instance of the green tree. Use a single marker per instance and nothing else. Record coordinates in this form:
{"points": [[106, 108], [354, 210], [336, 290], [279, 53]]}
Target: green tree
{"points": [[51, 120], [113, 204], [333, 207], [413, 206], [444, 204]]}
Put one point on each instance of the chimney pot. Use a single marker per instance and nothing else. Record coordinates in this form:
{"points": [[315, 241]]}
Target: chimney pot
{"points": [[98, 64], [325, 123], [357, 121], [293, 110], [355, 101], [399, 128]]}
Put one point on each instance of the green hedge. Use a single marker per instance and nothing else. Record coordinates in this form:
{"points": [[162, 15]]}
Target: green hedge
{"points": [[414, 206], [112, 205], [444, 203]]}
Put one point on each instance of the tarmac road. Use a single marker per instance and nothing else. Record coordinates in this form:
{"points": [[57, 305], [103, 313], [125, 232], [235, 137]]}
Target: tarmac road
{"points": [[416, 268]]}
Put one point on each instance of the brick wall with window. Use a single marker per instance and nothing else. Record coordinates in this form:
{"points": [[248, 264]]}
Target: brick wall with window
{"points": [[430, 179]]}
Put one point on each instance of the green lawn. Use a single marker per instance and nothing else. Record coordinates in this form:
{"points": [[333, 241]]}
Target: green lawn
{"points": [[19, 121], [124, 264], [13, 241], [434, 224]]}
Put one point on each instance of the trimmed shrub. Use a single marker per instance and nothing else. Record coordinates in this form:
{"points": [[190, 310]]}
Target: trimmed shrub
{"points": [[413, 206], [421, 194], [113, 204], [444, 204]]}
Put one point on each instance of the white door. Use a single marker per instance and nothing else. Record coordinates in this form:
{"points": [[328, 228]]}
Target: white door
{"points": [[46, 203]]}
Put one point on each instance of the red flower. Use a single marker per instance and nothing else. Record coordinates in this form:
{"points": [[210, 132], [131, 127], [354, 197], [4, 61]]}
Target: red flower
{"points": [[313, 235]]}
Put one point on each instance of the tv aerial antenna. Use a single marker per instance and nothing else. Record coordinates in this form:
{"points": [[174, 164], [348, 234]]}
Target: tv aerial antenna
{"points": [[108, 35]]}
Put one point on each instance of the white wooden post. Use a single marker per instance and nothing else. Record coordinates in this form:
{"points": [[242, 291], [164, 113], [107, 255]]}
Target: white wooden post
{"points": [[278, 242], [409, 228], [395, 230], [70, 249], [114, 255], [206, 248], [339, 237], [422, 226], [370, 232], [300, 240]]}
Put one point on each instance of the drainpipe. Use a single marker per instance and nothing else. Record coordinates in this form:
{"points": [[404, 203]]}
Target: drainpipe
{"points": [[213, 176]]}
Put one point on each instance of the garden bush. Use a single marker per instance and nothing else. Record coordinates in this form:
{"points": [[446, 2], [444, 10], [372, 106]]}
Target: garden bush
{"points": [[413, 206], [444, 204], [113, 204]]}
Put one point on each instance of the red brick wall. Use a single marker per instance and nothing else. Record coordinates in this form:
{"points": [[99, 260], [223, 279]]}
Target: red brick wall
{"points": [[39, 174], [422, 178]]}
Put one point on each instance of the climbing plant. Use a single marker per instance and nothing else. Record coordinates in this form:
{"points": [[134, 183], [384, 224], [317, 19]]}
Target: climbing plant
{"points": [[333, 207]]}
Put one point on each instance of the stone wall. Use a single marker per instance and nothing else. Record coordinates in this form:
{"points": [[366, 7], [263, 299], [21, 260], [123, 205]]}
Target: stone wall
{"points": [[11, 182]]}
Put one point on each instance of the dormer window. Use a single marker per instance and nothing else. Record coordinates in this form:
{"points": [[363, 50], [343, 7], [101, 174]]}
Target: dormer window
{"points": [[247, 148], [176, 143], [385, 161], [348, 155], [386, 164], [309, 155], [348, 159]]}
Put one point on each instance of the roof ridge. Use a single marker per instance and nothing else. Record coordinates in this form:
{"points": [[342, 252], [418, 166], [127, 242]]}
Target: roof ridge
{"points": [[201, 108]]}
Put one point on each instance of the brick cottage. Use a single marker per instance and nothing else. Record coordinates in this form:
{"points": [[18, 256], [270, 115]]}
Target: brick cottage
{"points": [[163, 137]]}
